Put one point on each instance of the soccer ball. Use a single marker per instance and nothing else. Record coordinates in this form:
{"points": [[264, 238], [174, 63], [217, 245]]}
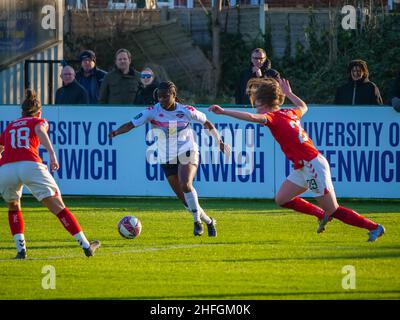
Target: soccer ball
{"points": [[129, 227]]}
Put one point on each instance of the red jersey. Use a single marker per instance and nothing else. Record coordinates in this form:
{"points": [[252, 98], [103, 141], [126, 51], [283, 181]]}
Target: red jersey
{"points": [[286, 128], [20, 140]]}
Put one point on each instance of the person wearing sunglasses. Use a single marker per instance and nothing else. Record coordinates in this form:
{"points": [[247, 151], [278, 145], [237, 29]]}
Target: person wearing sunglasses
{"points": [[145, 93], [260, 67]]}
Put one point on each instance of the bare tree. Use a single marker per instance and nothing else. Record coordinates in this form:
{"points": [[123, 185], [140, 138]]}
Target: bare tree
{"points": [[333, 45], [216, 43]]}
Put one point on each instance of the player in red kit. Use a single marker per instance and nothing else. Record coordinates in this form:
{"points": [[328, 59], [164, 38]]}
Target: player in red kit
{"points": [[21, 165], [311, 169]]}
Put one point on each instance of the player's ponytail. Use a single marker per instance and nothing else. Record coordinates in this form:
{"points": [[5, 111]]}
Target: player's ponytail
{"points": [[31, 104]]}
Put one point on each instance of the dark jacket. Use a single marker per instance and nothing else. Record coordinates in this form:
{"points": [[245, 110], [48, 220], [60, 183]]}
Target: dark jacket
{"points": [[119, 88], [395, 88], [358, 92], [145, 95], [92, 83], [240, 95], [73, 93], [394, 94]]}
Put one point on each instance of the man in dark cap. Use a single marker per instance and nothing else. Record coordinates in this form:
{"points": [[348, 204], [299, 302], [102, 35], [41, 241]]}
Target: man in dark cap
{"points": [[89, 76]]}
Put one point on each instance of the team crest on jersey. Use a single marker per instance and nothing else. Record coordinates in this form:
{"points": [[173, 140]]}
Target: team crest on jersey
{"points": [[161, 115], [180, 115]]}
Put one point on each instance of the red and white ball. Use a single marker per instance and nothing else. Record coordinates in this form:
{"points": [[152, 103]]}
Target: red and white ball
{"points": [[129, 227]]}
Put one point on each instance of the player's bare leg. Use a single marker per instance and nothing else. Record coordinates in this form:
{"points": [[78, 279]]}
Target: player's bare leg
{"points": [[287, 197], [176, 187], [329, 203], [56, 205], [16, 223], [287, 192]]}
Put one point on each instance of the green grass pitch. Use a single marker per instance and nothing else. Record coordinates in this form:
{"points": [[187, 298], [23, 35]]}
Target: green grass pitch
{"points": [[261, 252]]}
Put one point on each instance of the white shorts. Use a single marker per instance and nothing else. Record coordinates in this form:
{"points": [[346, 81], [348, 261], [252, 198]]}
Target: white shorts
{"points": [[315, 176], [34, 175]]}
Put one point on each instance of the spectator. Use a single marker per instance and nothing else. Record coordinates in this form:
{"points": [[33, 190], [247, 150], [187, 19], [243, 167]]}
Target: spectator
{"points": [[145, 94], [394, 98], [359, 89], [260, 67], [71, 92], [89, 76], [121, 84]]}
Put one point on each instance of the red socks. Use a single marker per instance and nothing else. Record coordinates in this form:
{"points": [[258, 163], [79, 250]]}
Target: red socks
{"points": [[303, 206], [69, 221], [353, 218], [343, 214], [16, 222]]}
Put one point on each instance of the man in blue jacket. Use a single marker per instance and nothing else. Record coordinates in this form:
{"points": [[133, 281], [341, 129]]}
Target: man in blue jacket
{"points": [[89, 76]]}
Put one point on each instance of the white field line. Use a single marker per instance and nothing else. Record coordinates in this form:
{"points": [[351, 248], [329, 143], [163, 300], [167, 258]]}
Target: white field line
{"points": [[173, 247], [72, 256]]}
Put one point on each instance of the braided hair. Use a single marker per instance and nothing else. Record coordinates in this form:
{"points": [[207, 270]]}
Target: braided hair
{"points": [[166, 85], [31, 104]]}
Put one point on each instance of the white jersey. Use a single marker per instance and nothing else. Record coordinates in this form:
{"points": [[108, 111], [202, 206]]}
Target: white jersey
{"points": [[172, 129]]}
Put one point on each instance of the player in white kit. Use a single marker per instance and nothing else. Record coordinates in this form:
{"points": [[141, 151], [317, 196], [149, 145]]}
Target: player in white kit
{"points": [[177, 149]]}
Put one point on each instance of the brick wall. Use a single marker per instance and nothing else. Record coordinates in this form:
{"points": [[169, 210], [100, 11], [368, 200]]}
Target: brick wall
{"points": [[106, 22]]}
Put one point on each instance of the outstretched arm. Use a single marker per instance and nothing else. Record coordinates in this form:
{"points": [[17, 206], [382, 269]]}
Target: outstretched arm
{"points": [[121, 130], [225, 148], [246, 116], [41, 131], [287, 90]]}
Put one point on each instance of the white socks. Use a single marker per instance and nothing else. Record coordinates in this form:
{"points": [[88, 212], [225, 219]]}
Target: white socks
{"points": [[193, 203], [19, 239], [83, 242], [203, 216]]}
